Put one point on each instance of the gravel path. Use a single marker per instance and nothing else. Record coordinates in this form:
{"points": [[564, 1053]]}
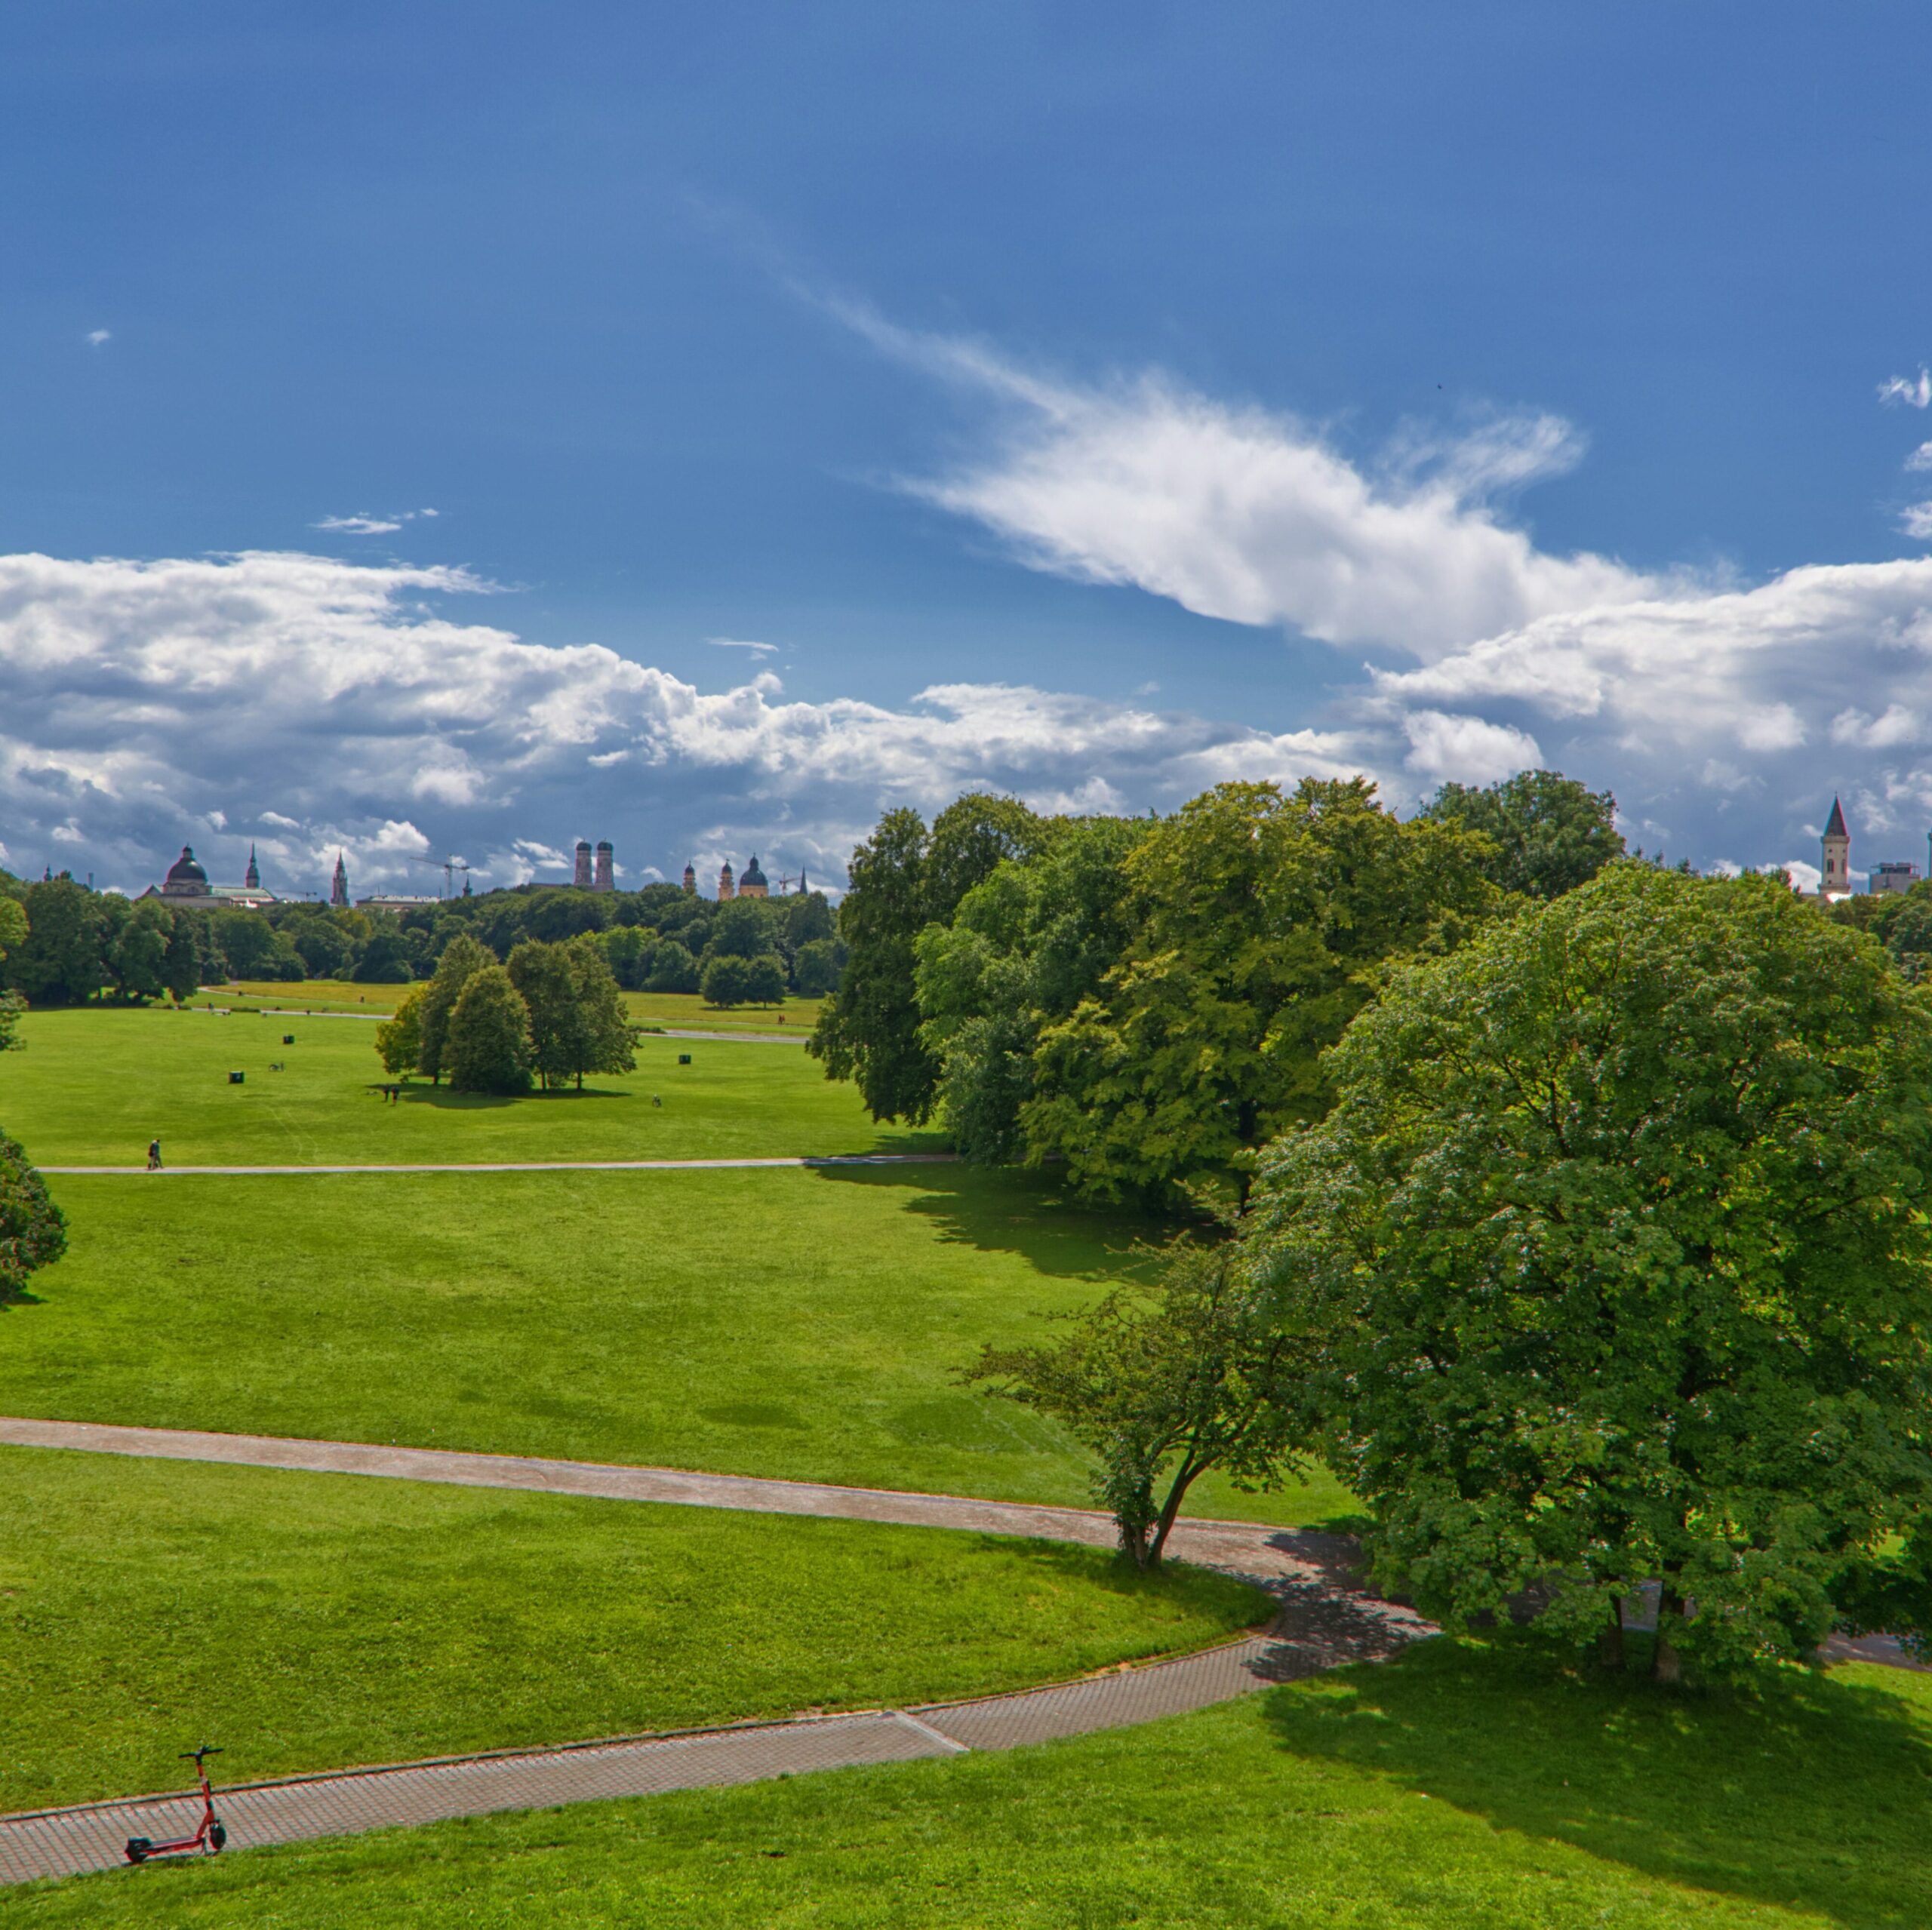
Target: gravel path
{"points": [[536, 1166], [1323, 1620]]}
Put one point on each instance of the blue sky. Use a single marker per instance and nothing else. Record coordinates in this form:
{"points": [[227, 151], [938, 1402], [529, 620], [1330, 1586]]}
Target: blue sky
{"points": [[1177, 393]]}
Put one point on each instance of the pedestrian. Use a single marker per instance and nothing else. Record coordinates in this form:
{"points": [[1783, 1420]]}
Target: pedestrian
{"points": [[154, 1156]]}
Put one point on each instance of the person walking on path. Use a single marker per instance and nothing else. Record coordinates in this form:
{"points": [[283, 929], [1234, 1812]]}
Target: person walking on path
{"points": [[154, 1155]]}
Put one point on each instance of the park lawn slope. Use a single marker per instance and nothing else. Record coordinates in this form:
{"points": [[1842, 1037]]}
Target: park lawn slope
{"points": [[802, 1324], [1457, 1788], [306, 1621], [94, 1085]]}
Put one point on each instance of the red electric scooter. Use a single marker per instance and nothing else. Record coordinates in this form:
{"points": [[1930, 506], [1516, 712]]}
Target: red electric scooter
{"points": [[210, 1836]]}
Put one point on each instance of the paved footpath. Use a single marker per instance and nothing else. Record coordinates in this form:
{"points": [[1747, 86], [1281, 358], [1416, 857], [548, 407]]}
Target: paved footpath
{"points": [[538, 1166], [1323, 1620]]}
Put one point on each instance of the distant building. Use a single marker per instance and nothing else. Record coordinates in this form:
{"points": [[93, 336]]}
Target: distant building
{"points": [[727, 890], [339, 888], [186, 888], [580, 878], [752, 884], [605, 877], [396, 901], [1834, 870], [690, 881]]}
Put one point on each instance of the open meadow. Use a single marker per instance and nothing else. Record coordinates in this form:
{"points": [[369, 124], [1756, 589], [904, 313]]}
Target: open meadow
{"points": [[94, 1086], [672, 1010]]}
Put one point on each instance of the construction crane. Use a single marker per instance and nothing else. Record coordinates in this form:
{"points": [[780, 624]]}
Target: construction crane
{"points": [[449, 867], [785, 884]]}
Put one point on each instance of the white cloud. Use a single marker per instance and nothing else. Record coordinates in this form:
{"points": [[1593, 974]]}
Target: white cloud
{"points": [[359, 526], [96, 338], [1252, 516], [363, 525], [1467, 749], [741, 643], [1916, 522], [1920, 458], [1914, 394], [320, 703]]}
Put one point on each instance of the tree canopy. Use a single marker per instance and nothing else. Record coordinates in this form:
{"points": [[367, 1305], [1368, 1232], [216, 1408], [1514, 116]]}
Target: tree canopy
{"points": [[1613, 1250], [488, 1048], [33, 1231], [1551, 834]]}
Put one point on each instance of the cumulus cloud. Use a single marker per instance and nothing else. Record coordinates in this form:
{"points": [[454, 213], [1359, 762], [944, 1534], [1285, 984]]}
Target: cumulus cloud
{"points": [[1914, 394], [1920, 458], [1916, 522], [317, 705], [1469, 749]]}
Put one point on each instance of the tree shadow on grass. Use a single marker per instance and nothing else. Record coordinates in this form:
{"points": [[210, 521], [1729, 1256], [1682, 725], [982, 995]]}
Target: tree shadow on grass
{"points": [[999, 1210], [1811, 1792], [441, 1097]]}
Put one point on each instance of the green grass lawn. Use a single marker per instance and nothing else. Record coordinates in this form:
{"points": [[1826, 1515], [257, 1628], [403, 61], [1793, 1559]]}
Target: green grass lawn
{"points": [[94, 1085], [788, 1322], [306, 1622], [1460, 1788], [679, 1009]]}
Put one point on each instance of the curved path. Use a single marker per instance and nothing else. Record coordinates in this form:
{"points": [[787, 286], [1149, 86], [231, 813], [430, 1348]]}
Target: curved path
{"points": [[1323, 1620], [536, 1166]]}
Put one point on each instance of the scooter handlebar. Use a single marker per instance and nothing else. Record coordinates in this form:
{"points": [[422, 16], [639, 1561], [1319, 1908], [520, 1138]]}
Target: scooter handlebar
{"points": [[195, 1755]]}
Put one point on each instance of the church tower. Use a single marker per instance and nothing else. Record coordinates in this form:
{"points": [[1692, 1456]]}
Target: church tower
{"points": [[252, 877], [726, 890], [690, 881], [339, 890], [580, 878], [1837, 841]]}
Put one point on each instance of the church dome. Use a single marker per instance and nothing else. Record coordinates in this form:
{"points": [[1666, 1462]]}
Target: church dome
{"points": [[184, 874], [751, 874]]}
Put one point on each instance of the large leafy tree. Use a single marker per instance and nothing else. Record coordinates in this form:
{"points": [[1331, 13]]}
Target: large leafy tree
{"points": [[1551, 834], [1615, 1249], [60, 961], [488, 1048], [1024, 947], [13, 933], [33, 1233], [541, 974], [463, 958], [601, 1039], [1260, 923], [902, 880]]}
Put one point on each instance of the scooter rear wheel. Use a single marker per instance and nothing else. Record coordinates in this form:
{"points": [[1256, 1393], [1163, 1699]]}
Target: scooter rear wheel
{"points": [[138, 1848]]}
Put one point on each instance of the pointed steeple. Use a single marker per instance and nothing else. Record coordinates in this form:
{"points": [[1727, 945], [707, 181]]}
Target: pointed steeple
{"points": [[1835, 824], [339, 890], [252, 877]]}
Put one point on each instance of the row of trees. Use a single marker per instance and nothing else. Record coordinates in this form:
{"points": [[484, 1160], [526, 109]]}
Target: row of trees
{"points": [[1608, 1265], [84, 944], [553, 1012], [1146, 1001]]}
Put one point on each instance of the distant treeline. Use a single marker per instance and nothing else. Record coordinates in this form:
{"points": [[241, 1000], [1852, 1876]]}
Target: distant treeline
{"points": [[84, 944]]}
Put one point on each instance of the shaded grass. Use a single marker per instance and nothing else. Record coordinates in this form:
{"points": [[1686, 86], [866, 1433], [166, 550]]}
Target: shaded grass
{"points": [[787, 1322], [1457, 1789], [94, 1085], [305, 1621]]}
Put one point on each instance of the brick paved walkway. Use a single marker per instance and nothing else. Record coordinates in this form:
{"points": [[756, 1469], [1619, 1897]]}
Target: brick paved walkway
{"points": [[1323, 1620]]}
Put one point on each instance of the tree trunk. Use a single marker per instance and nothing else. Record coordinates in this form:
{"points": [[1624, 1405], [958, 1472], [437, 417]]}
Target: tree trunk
{"points": [[1609, 1642], [1666, 1664], [1184, 1476]]}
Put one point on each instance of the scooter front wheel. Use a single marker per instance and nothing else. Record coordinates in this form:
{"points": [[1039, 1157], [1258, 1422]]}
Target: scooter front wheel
{"points": [[217, 1836]]}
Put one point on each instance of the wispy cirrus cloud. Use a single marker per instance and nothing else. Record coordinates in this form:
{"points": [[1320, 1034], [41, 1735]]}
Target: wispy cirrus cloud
{"points": [[97, 338], [741, 643], [363, 525], [1912, 392]]}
